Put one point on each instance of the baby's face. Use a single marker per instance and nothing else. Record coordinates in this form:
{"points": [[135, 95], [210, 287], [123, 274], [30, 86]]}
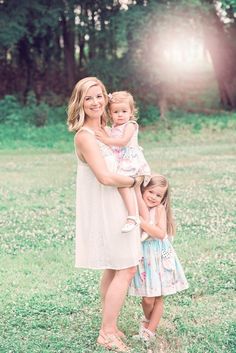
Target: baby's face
{"points": [[120, 113]]}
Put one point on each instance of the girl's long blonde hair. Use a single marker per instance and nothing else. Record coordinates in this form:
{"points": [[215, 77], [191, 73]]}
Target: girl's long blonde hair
{"points": [[161, 181], [76, 115]]}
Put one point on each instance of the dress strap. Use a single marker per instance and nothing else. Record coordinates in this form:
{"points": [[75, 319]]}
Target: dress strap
{"points": [[84, 128], [131, 122]]}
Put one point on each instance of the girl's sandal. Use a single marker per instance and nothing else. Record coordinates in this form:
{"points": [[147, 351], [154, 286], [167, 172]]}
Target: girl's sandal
{"points": [[112, 342], [147, 335], [144, 320], [129, 226]]}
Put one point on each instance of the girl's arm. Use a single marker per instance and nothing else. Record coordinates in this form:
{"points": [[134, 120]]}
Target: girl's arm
{"points": [[120, 141], [143, 209], [157, 230], [87, 148]]}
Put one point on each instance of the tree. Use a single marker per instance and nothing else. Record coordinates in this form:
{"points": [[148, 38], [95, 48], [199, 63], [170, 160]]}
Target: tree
{"points": [[220, 41]]}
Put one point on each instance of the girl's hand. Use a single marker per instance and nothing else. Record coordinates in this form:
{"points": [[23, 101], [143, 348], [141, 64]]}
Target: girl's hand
{"points": [[101, 135]]}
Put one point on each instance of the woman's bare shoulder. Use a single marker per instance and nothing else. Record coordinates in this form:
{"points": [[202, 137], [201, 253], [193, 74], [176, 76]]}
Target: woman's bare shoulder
{"points": [[83, 137]]}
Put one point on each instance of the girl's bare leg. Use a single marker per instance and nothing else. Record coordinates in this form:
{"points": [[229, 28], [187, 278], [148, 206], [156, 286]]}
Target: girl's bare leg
{"points": [[114, 298], [147, 305], [156, 314]]}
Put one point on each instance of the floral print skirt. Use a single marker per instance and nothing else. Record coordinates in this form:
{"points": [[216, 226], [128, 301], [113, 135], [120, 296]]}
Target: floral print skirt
{"points": [[159, 271]]}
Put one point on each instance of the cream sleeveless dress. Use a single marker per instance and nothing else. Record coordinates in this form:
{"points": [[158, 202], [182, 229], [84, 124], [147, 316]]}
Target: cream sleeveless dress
{"points": [[100, 215]]}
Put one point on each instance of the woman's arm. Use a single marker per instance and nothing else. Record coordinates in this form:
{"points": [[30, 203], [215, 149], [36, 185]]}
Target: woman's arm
{"points": [[120, 141], [87, 147], [157, 230]]}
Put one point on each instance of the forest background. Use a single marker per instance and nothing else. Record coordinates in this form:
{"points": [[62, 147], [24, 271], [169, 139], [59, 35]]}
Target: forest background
{"points": [[169, 54]]}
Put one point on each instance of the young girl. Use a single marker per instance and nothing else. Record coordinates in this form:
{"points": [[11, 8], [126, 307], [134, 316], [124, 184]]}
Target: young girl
{"points": [[159, 272], [123, 138]]}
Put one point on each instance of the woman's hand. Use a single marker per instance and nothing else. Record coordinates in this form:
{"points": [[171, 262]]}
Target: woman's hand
{"points": [[138, 181]]}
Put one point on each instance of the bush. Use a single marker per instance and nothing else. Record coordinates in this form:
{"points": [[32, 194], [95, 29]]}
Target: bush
{"points": [[13, 112], [148, 114], [9, 109]]}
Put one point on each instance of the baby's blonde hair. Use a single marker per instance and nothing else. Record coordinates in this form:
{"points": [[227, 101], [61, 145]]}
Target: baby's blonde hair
{"points": [[161, 181], [121, 97], [76, 115]]}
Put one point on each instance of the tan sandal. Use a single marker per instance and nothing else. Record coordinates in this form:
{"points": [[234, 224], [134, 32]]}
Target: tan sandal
{"points": [[112, 342], [121, 334]]}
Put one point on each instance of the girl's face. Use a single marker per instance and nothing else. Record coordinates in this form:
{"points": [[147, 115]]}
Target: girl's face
{"points": [[120, 113], [153, 196], [94, 102]]}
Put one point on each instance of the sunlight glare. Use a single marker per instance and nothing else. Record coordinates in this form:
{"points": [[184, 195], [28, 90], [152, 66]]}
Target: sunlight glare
{"points": [[185, 53]]}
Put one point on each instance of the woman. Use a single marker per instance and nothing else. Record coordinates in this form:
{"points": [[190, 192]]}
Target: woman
{"points": [[100, 211]]}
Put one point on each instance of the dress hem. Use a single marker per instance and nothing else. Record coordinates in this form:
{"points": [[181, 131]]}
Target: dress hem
{"points": [[135, 294], [106, 268]]}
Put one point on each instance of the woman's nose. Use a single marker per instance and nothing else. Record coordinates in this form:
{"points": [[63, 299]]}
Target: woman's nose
{"points": [[95, 100]]}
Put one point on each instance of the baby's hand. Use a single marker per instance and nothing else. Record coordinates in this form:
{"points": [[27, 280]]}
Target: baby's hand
{"points": [[101, 135]]}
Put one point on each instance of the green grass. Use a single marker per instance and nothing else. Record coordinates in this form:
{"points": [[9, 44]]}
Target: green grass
{"points": [[48, 306]]}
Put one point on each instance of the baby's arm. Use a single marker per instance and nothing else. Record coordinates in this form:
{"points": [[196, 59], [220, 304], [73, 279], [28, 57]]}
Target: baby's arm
{"points": [[117, 141], [87, 148], [157, 230]]}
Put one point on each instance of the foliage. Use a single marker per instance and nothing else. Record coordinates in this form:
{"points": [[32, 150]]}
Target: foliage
{"points": [[12, 112], [48, 306], [9, 108], [148, 114], [46, 46]]}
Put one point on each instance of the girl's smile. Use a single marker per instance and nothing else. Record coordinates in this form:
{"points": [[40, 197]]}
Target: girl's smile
{"points": [[153, 196]]}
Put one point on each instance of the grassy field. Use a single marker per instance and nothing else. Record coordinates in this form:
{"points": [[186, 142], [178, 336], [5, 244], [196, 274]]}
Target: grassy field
{"points": [[47, 306]]}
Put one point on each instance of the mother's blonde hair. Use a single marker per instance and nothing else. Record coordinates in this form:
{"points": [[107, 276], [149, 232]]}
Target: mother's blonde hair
{"points": [[76, 115]]}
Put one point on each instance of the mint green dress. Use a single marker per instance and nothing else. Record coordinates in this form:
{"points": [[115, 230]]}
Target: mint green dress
{"points": [[159, 270]]}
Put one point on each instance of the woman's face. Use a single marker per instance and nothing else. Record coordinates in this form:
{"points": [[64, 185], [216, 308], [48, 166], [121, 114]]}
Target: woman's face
{"points": [[94, 102], [153, 196]]}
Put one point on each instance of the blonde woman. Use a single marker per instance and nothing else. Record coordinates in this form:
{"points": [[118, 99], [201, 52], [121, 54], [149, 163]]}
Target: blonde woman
{"points": [[100, 211]]}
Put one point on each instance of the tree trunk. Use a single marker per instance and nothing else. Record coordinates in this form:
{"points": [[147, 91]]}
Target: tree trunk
{"points": [[25, 61], [223, 54], [69, 48], [92, 39]]}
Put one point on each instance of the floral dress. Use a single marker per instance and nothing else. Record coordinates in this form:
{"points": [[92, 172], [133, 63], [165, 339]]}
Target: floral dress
{"points": [[131, 160], [159, 271]]}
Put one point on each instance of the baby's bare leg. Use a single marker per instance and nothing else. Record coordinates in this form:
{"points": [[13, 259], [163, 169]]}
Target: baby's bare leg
{"points": [[129, 201]]}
